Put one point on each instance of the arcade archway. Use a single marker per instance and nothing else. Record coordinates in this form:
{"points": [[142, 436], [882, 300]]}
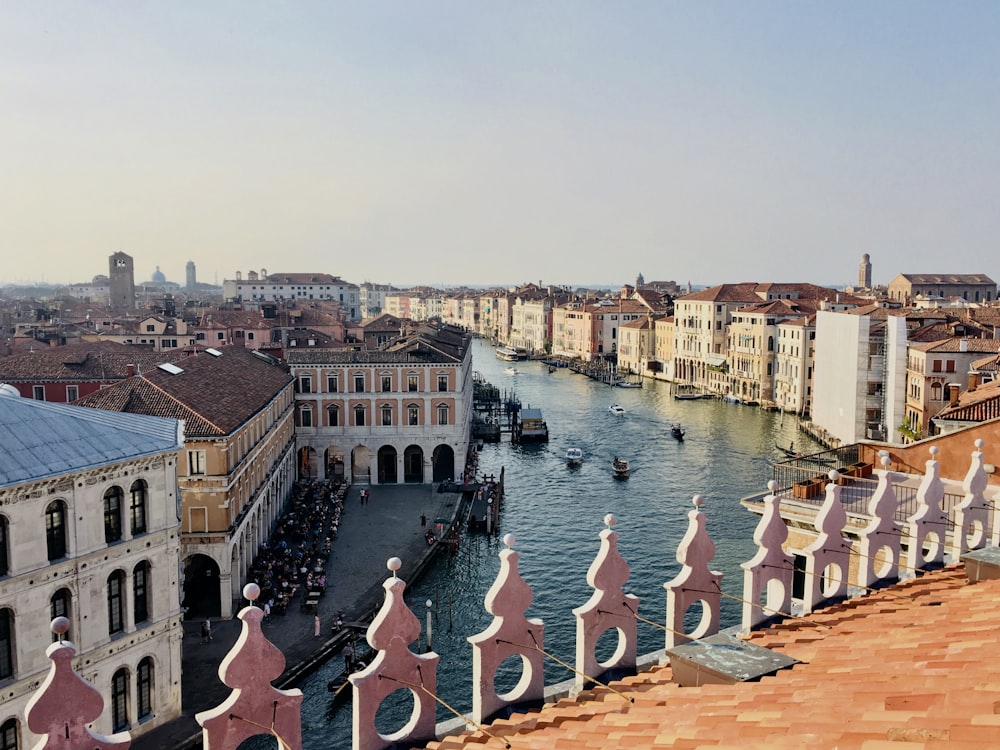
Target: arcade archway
{"points": [[413, 465], [443, 461], [387, 465], [202, 597]]}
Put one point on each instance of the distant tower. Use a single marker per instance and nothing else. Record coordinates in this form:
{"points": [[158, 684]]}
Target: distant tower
{"points": [[121, 275], [865, 272], [158, 277], [640, 281], [192, 280]]}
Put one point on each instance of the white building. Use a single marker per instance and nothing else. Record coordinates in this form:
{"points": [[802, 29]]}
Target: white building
{"points": [[89, 530], [264, 287], [859, 378]]}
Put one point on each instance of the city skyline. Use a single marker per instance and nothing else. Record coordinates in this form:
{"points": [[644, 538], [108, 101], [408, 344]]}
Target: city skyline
{"points": [[444, 143]]}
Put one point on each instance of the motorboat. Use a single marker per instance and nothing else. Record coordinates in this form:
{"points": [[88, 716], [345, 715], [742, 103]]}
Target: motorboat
{"points": [[620, 468], [512, 371], [677, 431], [688, 392], [729, 398], [616, 409], [574, 455], [504, 353], [628, 384]]}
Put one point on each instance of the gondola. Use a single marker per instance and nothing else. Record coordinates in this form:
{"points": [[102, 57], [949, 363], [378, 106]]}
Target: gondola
{"points": [[677, 431]]}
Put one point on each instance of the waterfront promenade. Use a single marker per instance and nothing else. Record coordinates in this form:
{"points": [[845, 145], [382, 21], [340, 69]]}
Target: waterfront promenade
{"points": [[389, 525]]}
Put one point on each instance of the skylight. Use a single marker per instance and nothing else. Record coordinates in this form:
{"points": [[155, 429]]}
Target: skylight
{"points": [[171, 368], [213, 352]]}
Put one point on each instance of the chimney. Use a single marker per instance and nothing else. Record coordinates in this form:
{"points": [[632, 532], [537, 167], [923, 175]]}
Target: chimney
{"points": [[963, 345], [975, 379], [953, 391], [130, 371]]}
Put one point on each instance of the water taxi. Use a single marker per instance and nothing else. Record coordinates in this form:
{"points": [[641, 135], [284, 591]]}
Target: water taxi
{"points": [[620, 468], [616, 409], [574, 455]]}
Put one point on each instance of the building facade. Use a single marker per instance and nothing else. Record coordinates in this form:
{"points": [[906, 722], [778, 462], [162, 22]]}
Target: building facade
{"points": [[264, 287], [121, 282], [400, 414], [89, 531]]}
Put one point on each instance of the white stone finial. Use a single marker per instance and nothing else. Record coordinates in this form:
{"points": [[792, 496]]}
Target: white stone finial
{"points": [[610, 520], [772, 485], [934, 451], [394, 564], [833, 475], [883, 453], [60, 626], [885, 460], [697, 501], [980, 443], [509, 539], [250, 592]]}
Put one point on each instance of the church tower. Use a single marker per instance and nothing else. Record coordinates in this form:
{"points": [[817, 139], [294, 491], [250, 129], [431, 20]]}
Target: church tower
{"points": [[122, 276], [192, 279], [865, 272]]}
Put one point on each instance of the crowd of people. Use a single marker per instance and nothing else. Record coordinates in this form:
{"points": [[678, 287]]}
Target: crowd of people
{"points": [[294, 558]]}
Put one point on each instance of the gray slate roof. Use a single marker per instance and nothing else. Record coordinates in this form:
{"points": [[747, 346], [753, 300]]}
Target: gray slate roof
{"points": [[40, 440]]}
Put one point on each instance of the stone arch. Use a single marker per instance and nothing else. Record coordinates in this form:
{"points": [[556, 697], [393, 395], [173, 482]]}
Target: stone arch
{"points": [[307, 462], [443, 461], [387, 457], [334, 460], [202, 597], [361, 463], [413, 464]]}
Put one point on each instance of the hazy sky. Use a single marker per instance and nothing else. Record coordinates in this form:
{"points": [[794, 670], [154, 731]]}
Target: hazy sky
{"points": [[500, 142]]}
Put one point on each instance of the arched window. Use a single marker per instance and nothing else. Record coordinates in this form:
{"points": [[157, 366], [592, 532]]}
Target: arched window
{"points": [[4, 552], [359, 415], [116, 602], [144, 688], [8, 735], [386, 415], [6, 643], [442, 411], [137, 507], [413, 414], [936, 391], [770, 343], [55, 530], [113, 514], [119, 700], [333, 416], [59, 606], [140, 592]]}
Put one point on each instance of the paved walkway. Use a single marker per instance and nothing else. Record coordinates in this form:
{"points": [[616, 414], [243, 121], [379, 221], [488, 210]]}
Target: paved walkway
{"points": [[387, 526]]}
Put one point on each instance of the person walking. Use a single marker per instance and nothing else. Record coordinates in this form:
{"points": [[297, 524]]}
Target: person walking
{"points": [[423, 521], [348, 657], [267, 611], [206, 631], [316, 626]]}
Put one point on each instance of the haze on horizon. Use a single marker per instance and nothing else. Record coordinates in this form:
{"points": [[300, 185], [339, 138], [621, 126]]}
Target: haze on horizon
{"points": [[446, 142]]}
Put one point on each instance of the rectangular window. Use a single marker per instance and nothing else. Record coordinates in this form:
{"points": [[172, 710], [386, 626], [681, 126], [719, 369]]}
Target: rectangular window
{"points": [[386, 383], [72, 393], [936, 366], [144, 688], [332, 383], [196, 462], [411, 383], [442, 383], [359, 383], [442, 415], [115, 620], [305, 384], [3, 547], [38, 392], [386, 416], [359, 417], [950, 365], [6, 644], [306, 417], [413, 415]]}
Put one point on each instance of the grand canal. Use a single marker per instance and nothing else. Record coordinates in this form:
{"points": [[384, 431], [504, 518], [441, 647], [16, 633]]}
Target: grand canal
{"points": [[555, 511]]}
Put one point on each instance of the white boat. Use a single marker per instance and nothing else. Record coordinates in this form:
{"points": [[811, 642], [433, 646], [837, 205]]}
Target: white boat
{"points": [[628, 384], [507, 354], [731, 399], [512, 371], [616, 409], [574, 455]]}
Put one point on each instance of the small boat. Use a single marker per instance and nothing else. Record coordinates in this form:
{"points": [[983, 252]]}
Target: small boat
{"points": [[616, 409], [620, 468], [627, 384], [552, 368], [512, 371], [359, 655], [815, 458], [677, 431], [688, 392], [731, 399], [574, 455], [510, 355]]}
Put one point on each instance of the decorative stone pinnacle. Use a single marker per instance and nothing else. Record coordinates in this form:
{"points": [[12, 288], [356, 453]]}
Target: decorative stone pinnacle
{"points": [[934, 451], [697, 501], [980, 443], [772, 485], [394, 564], [610, 520], [833, 475], [60, 626], [885, 461], [250, 592], [510, 540]]}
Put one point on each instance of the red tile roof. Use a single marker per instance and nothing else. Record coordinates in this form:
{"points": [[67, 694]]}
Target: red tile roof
{"points": [[907, 667]]}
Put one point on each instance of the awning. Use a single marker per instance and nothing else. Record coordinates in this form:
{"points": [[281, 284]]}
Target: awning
{"points": [[716, 360]]}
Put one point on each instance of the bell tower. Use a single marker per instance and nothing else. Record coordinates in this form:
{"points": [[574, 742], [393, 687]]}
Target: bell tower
{"points": [[122, 282]]}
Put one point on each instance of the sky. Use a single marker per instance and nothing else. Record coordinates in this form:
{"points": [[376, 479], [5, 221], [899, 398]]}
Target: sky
{"points": [[449, 142]]}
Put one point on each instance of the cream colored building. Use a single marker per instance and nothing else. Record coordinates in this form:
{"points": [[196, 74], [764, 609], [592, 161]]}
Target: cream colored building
{"points": [[398, 415], [794, 364], [89, 531]]}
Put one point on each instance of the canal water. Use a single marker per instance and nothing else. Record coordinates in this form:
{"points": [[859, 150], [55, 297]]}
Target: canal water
{"points": [[555, 512]]}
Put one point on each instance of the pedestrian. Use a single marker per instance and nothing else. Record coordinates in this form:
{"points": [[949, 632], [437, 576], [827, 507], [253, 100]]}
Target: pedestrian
{"points": [[348, 657], [423, 521], [361, 494], [316, 626], [267, 611], [206, 631]]}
